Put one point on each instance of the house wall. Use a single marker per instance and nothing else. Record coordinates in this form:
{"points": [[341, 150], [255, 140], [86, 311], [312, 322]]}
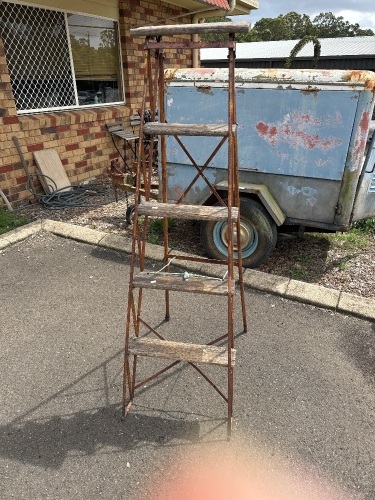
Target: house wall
{"points": [[79, 135]]}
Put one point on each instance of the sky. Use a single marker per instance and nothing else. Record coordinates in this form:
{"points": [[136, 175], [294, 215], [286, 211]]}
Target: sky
{"points": [[354, 11]]}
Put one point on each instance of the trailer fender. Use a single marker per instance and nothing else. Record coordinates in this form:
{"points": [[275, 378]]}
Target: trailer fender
{"points": [[265, 196]]}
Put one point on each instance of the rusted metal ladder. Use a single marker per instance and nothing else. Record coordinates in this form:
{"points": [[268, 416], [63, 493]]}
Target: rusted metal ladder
{"points": [[136, 343]]}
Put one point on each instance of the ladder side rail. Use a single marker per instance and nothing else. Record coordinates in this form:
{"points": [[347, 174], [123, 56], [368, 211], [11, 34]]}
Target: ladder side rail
{"points": [[231, 166], [153, 107], [164, 173], [132, 311]]}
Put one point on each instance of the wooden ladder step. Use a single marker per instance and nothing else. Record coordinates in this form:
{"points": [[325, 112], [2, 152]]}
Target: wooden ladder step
{"points": [[192, 129], [181, 283], [195, 353], [191, 29], [189, 212]]}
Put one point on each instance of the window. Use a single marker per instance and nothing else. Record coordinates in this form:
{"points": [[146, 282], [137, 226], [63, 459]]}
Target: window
{"points": [[60, 60]]}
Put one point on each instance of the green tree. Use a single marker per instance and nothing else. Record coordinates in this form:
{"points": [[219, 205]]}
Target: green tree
{"points": [[327, 25], [299, 25], [294, 26], [107, 39], [272, 29]]}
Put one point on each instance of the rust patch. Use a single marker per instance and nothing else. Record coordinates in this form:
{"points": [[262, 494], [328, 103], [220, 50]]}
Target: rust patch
{"points": [[310, 90], [292, 130], [360, 141], [169, 73], [366, 77], [205, 89]]}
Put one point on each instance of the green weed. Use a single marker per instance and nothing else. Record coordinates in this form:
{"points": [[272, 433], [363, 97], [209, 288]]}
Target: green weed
{"points": [[352, 240], [366, 225], [153, 238], [156, 226], [343, 264], [10, 220], [298, 273], [303, 258]]}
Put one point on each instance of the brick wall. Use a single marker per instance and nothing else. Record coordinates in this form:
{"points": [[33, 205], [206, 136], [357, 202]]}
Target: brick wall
{"points": [[79, 136]]}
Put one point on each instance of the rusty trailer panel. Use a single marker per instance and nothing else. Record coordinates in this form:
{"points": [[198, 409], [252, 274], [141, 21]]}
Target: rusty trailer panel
{"points": [[301, 133]]}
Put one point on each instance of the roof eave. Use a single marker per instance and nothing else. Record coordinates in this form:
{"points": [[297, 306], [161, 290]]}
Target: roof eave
{"points": [[242, 7]]}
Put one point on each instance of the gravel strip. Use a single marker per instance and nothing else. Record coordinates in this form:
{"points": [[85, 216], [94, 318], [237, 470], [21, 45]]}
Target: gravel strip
{"points": [[311, 258]]}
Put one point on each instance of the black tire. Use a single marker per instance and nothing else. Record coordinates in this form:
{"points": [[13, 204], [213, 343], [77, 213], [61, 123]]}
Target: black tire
{"points": [[258, 235], [129, 215]]}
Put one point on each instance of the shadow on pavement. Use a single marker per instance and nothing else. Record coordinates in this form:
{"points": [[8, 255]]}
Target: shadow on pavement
{"points": [[45, 438], [361, 350], [48, 442]]}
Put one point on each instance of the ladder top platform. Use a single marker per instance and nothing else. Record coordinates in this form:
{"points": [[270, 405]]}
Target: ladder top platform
{"points": [[183, 29]]}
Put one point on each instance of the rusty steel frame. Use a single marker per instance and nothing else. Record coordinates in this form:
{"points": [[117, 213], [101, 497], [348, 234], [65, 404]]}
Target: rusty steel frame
{"points": [[154, 85]]}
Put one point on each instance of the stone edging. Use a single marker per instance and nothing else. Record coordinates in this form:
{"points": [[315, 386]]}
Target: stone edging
{"points": [[308, 293]]}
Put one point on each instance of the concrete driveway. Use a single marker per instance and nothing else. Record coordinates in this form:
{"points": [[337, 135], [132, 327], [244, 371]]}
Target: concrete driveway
{"points": [[304, 391]]}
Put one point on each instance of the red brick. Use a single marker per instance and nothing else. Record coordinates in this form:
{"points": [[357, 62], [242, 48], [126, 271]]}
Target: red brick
{"points": [[62, 128], [8, 120], [72, 147], [90, 149], [98, 135], [6, 168], [81, 164], [35, 147], [22, 180], [83, 131]]}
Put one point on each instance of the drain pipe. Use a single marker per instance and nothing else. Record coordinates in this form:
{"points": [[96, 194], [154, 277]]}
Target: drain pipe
{"points": [[201, 15]]}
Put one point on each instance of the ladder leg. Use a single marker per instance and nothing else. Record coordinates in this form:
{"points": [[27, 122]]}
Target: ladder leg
{"points": [[230, 402]]}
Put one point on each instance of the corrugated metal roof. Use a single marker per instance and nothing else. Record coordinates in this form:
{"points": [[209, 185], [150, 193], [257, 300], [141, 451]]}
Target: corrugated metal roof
{"points": [[331, 47]]}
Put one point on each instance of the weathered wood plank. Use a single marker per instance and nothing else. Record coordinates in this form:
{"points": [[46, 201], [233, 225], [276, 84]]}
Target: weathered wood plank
{"points": [[192, 129], [189, 212], [193, 284], [54, 176], [196, 353], [224, 44], [190, 29]]}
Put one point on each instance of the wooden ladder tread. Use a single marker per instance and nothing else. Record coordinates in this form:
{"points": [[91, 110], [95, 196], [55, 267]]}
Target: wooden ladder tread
{"points": [[195, 353], [181, 283], [189, 212], [192, 129], [183, 29]]}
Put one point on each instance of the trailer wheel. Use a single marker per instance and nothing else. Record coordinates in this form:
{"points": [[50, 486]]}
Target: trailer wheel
{"points": [[258, 235]]}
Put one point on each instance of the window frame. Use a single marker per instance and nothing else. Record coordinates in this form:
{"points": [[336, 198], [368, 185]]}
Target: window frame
{"points": [[121, 82]]}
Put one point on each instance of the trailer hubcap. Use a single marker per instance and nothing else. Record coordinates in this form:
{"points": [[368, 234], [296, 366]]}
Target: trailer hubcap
{"points": [[248, 235]]}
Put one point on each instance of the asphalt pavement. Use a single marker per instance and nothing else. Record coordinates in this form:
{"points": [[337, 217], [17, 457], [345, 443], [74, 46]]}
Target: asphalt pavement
{"points": [[304, 398]]}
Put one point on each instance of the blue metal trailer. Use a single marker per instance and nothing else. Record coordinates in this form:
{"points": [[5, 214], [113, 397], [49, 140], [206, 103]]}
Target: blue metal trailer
{"points": [[304, 156]]}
